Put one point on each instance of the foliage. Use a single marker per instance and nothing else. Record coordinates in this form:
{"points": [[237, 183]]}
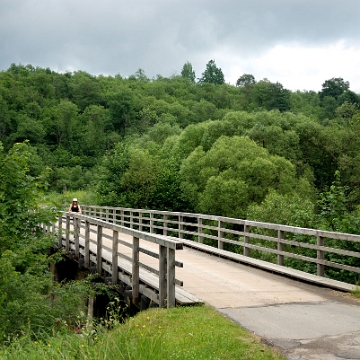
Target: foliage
{"points": [[234, 173], [178, 333], [20, 215], [187, 72], [29, 302], [212, 74], [246, 80], [128, 138], [334, 87]]}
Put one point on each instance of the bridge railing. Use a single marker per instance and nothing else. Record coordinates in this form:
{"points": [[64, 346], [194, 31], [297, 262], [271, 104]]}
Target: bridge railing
{"points": [[301, 248], [85, 236]]}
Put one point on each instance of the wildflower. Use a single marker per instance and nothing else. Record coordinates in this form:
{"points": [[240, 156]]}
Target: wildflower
{"points": [[144, 326]]}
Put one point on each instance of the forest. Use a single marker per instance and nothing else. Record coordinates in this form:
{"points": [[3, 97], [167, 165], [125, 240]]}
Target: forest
{"points": [[255, 150]]}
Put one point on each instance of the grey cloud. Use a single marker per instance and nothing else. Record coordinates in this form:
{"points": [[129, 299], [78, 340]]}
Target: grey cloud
{"points": [[120, 36]]}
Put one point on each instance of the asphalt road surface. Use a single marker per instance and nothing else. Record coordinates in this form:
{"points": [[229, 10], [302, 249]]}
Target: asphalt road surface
{"points": [[303, 321]]}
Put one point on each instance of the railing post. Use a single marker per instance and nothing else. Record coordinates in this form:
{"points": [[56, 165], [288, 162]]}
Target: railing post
{"points": [[170, 278], [280, 247], [162, 276], [246, 240], [320, 256], [87, 245], [107, 214], [122, 212], [140, 222], [165, 225], [76, 236], [220, 235], [67, 234], [60, 231], [200, 229], [131, 220], [151, 223], [135, 271], [180, 227], [99, 249], [114, 275]]}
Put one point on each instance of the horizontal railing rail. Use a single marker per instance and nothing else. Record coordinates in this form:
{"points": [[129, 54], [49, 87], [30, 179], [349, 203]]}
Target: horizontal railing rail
{"points": [[284, 245], [86, 235]]}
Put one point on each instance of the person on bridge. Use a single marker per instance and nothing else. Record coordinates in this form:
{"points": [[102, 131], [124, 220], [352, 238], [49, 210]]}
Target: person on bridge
{"points": [[74, 206]]}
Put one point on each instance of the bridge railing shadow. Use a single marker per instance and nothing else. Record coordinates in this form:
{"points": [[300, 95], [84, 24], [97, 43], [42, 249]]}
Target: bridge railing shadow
{"points": [[318, 252]]}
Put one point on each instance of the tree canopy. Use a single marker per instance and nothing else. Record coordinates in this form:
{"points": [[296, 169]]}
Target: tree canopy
{"points": [[212, 74], [134, 141]]}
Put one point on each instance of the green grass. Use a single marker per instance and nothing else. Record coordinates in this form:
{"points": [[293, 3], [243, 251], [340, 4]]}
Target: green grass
{"points": [[356, 292], [63, 200], [179, 333]]}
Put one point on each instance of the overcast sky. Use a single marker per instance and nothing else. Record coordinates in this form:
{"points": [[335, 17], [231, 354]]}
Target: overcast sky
{"points": [[299, 43]]}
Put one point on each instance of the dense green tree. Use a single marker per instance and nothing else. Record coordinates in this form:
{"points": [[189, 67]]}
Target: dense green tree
{"points": [[121, 106], [349, 97], [347, 110], [329, 105], [4, 119], [165, 128], [270, 95], [246, 80], [234, 163], [292, 209], [140, 75], [94, 138], [305, 102], [85, 90], [30, 302], [187, 72], [246, 84], [28, 129], [66, 124], [19, 211], [212, 74], [341, 141], [334, 87]]}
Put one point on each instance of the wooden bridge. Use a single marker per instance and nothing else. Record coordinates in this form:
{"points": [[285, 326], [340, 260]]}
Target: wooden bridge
{"points": [[137, 249], [216, 260]]}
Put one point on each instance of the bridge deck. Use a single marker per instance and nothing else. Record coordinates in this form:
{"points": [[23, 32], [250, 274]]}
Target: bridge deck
{"points": [[206, 278]]}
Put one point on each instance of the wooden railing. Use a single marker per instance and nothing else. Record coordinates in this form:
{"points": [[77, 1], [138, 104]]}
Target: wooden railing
{"points": [[284, 245], [84, 235]]}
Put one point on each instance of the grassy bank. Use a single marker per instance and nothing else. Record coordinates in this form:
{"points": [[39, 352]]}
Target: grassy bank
{"points": [[179, 333]]}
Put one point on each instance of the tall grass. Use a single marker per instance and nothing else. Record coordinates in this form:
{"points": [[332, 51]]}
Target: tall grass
{"points": [[63, 200], [179, 333]]}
